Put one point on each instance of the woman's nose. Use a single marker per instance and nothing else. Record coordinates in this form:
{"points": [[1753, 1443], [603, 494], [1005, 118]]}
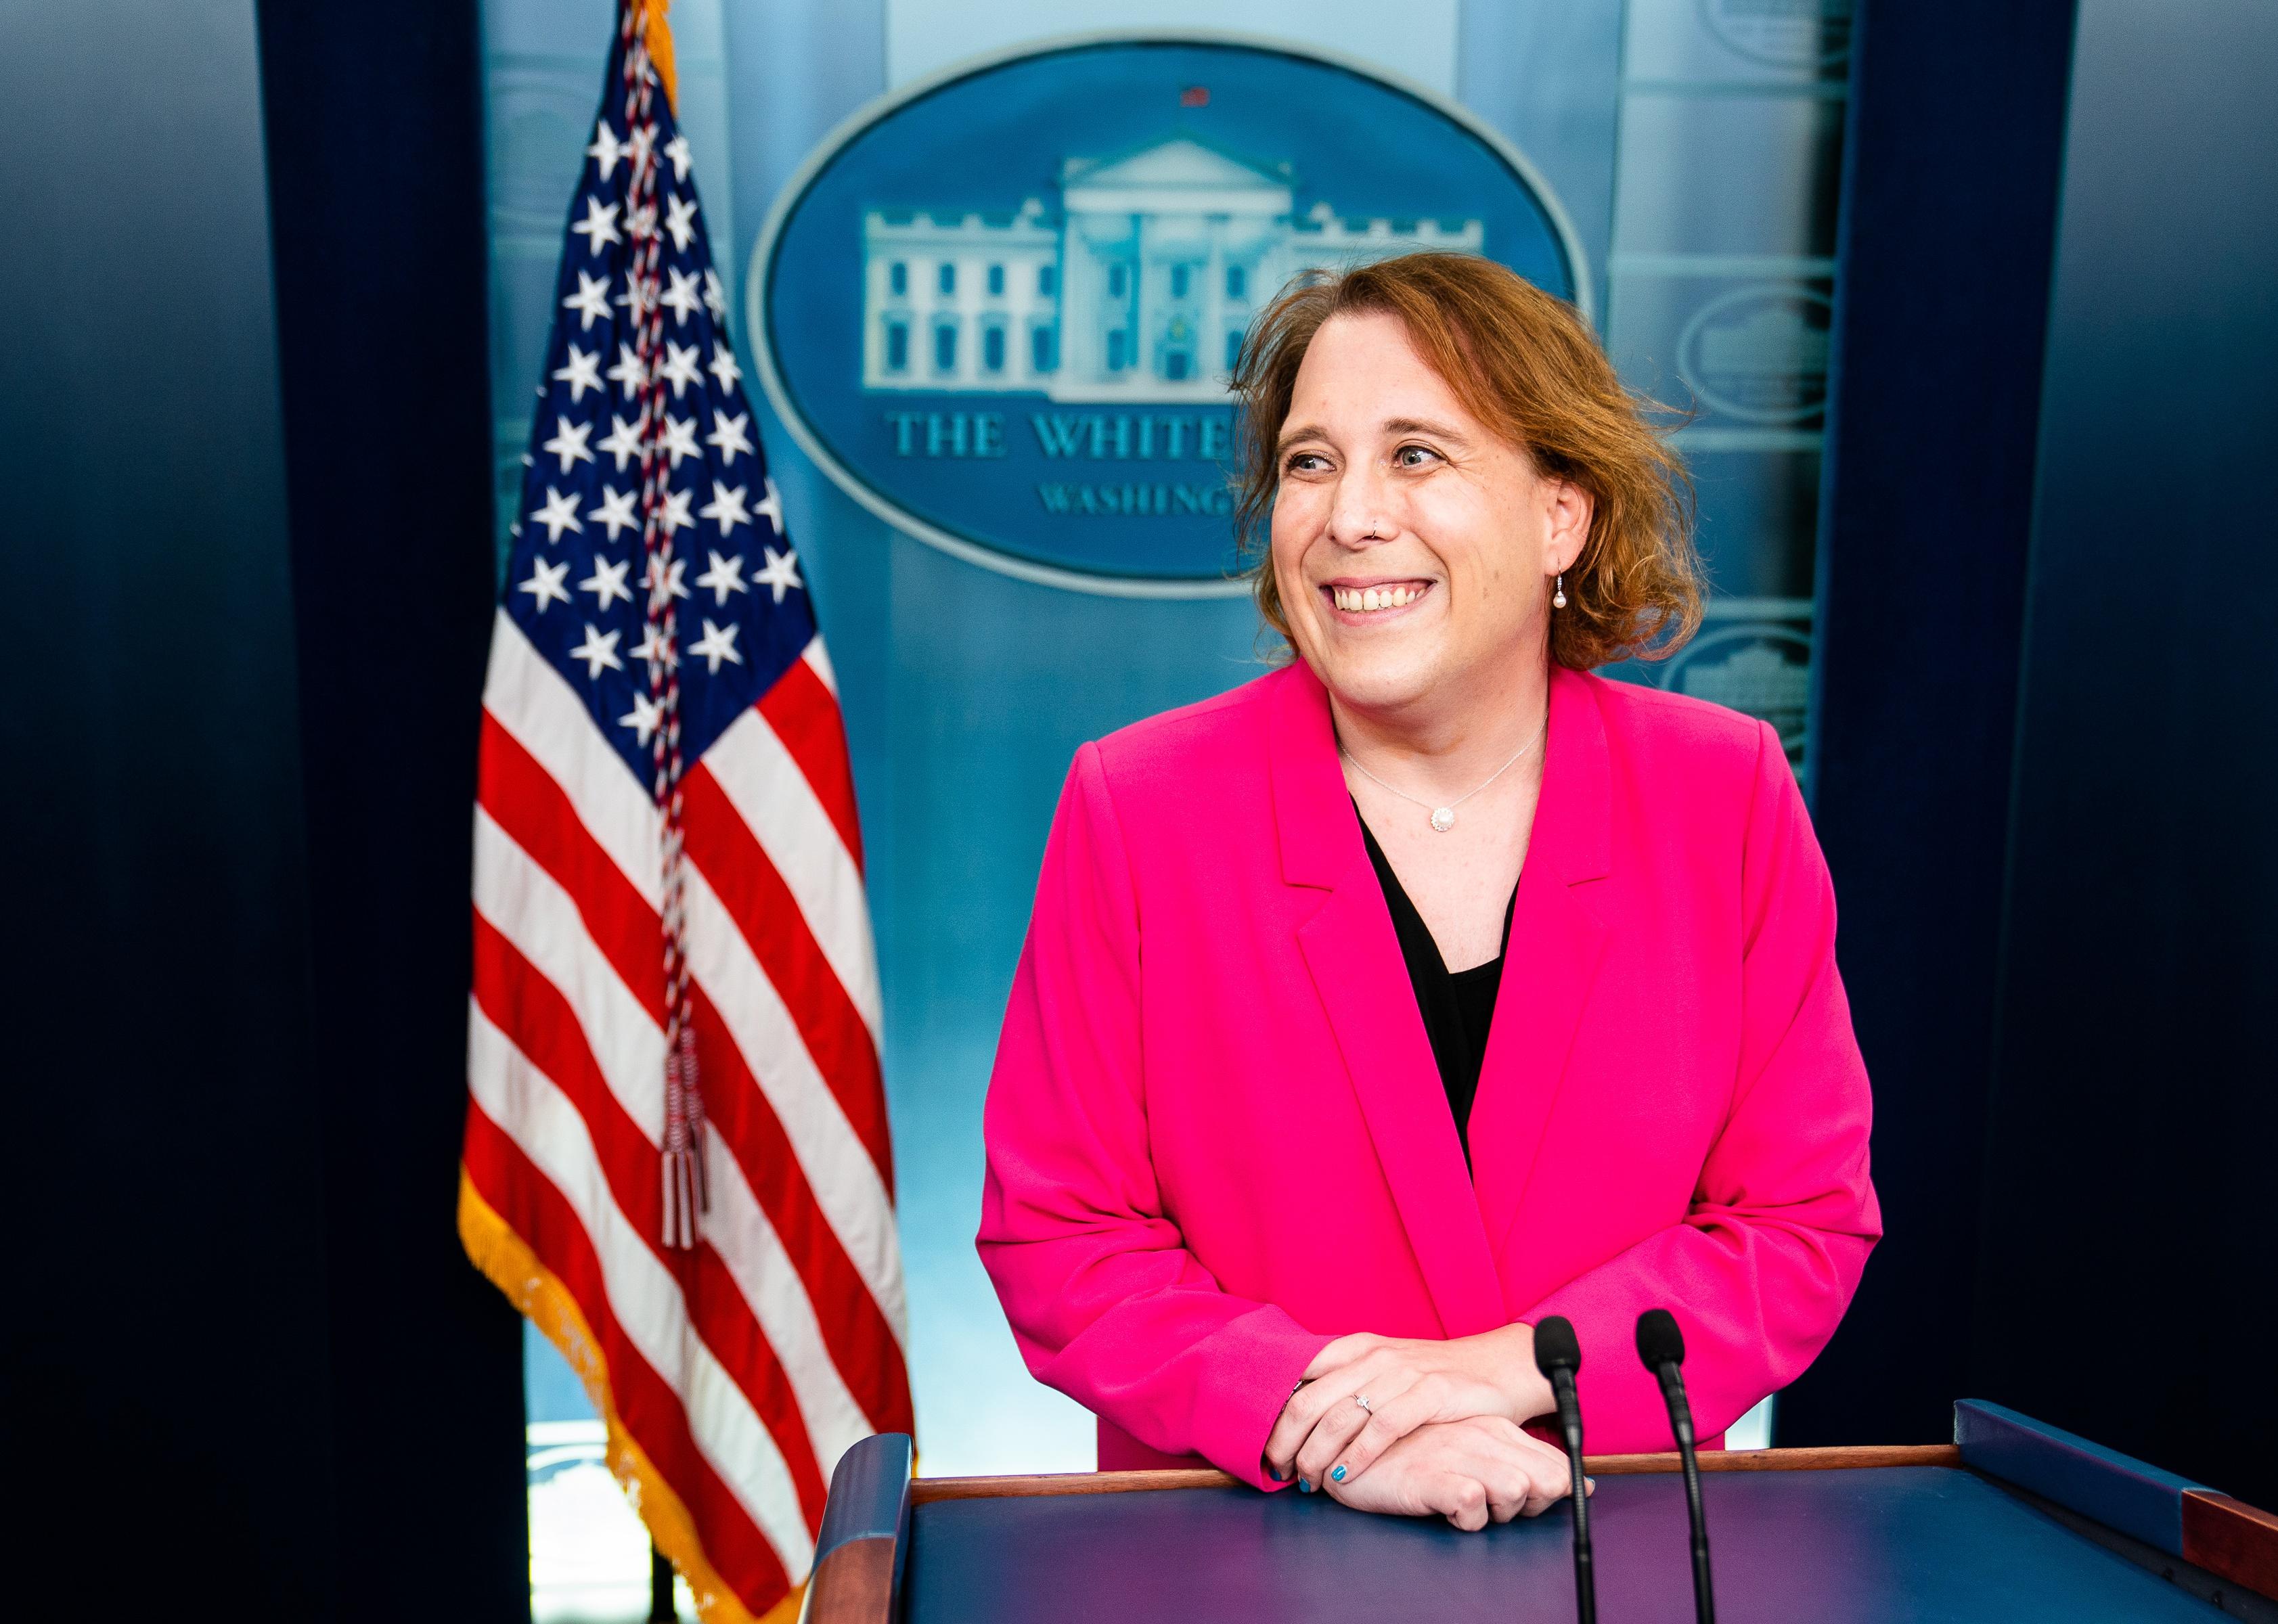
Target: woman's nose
{"points": [[1358, 516]]}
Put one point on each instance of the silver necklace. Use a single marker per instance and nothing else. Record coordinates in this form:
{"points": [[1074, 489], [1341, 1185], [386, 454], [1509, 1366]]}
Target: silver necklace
{"points": [[1443, 817]]}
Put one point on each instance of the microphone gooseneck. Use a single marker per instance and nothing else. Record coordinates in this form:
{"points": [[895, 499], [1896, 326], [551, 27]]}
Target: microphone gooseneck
{"points": [[1661, 1345], [1558, 1355]]}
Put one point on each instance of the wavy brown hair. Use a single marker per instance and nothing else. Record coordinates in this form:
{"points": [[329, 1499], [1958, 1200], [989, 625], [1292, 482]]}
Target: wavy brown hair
{"points": [[1525, 364]]}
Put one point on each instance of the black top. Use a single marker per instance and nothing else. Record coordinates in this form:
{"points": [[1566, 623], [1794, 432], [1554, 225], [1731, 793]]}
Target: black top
{"points": [[1456, 1008]]}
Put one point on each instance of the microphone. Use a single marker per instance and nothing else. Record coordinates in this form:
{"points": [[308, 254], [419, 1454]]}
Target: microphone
{"points": [[1660, 1344], [1558, 1355]]}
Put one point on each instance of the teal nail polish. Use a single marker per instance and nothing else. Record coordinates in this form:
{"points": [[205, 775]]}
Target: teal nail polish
{"points": [[1338, 1476], [1275, 1475], [1304, 1487]]}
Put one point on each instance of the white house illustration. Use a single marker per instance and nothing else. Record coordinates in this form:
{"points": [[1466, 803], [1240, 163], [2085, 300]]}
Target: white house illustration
{"points": [[1139, 290]]}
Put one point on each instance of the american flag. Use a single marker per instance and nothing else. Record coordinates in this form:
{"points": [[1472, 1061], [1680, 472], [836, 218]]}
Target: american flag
{"points": [[677, 1160]]}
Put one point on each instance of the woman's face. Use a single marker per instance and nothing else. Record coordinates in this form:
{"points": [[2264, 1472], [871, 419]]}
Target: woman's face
{"points": [[1392, 494]]}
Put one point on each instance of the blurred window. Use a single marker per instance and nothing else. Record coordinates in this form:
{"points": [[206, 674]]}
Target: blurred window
{"points": [[589, 1554]]}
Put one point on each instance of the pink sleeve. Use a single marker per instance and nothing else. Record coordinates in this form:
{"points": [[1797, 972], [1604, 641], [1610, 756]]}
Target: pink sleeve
{"points": [[1764, 1264], [1105, 1302]]}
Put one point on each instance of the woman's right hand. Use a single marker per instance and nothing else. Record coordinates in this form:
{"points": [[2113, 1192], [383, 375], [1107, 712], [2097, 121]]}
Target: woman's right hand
{"points": [[1410, 1382], [1480, 1469]]}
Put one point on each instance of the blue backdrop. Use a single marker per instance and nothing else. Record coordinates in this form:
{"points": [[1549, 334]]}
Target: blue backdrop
{"points": [[248, 621], [1695, 151]]}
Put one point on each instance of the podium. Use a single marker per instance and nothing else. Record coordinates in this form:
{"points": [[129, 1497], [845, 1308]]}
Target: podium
{"points": [[2015, 1521]]}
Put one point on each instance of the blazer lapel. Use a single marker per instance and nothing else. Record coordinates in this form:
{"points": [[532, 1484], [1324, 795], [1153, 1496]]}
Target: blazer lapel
{"points": [[1556, 946], [1354, 959]]}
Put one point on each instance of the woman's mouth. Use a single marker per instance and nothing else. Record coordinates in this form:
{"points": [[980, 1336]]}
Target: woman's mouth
{"points": [[1374, 600]]}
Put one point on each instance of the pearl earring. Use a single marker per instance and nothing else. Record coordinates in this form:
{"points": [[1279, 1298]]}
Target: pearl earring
{"points": [[1558, 595]]}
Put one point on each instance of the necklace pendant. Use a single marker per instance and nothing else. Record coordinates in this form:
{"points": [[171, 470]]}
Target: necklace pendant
{"points": [[1444, 819]]}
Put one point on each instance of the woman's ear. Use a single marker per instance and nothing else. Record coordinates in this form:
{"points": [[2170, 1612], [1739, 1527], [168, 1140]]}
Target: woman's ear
{"points": [[1568, 529]]}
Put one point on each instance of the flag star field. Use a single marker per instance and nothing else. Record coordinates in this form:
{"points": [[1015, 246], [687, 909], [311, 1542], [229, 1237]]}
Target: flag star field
{"points": [[577, 544]]}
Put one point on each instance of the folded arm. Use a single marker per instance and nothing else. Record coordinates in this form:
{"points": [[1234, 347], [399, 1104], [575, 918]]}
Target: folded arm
{"points": [[1764, 1264], [1105, 1302]]}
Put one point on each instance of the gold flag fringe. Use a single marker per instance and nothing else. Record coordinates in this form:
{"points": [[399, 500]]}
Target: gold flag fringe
{"points": [[510, 1265], [656, 34]]}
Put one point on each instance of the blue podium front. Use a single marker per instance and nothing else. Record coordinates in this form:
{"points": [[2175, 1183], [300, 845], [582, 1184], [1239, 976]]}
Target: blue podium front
{"points": [[1818, 1537]]}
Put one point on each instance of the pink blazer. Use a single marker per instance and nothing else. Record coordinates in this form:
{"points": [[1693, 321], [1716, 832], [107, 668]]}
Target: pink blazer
{"points": [[1217, 1137]]}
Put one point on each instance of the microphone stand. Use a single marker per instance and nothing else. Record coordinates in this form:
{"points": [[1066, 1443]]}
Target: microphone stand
{"points": [[1661, 1345], [1680, 1413], [1558, 1355]]}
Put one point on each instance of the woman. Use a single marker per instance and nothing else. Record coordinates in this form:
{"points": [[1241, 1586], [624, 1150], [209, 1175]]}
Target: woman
{"points": [[1430, 985]]}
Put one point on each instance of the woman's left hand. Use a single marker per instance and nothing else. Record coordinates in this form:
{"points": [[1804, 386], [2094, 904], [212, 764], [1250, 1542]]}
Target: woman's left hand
{"points": [[1324, 1436], [1472, 1472]]}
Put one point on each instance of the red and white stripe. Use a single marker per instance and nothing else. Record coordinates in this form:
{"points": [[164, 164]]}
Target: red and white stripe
{"points": [[743, 1369]]}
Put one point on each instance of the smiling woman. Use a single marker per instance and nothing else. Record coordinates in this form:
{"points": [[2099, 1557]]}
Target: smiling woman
{"points": [[1525, 366], [1488, 989]]}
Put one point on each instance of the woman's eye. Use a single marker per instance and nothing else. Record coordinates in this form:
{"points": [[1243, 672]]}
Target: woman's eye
{"points": [[1303, 462], [1415, 456]]}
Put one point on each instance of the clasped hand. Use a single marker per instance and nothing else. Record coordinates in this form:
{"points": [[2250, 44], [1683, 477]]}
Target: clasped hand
{"points": [[1441, 1434]]}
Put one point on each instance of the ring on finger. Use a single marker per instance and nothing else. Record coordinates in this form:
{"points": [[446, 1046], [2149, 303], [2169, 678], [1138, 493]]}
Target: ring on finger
{"points": [[1362, 1399]]}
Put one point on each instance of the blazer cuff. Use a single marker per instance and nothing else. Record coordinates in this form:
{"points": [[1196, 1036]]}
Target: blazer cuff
{"points": [[1250, 1370]]}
